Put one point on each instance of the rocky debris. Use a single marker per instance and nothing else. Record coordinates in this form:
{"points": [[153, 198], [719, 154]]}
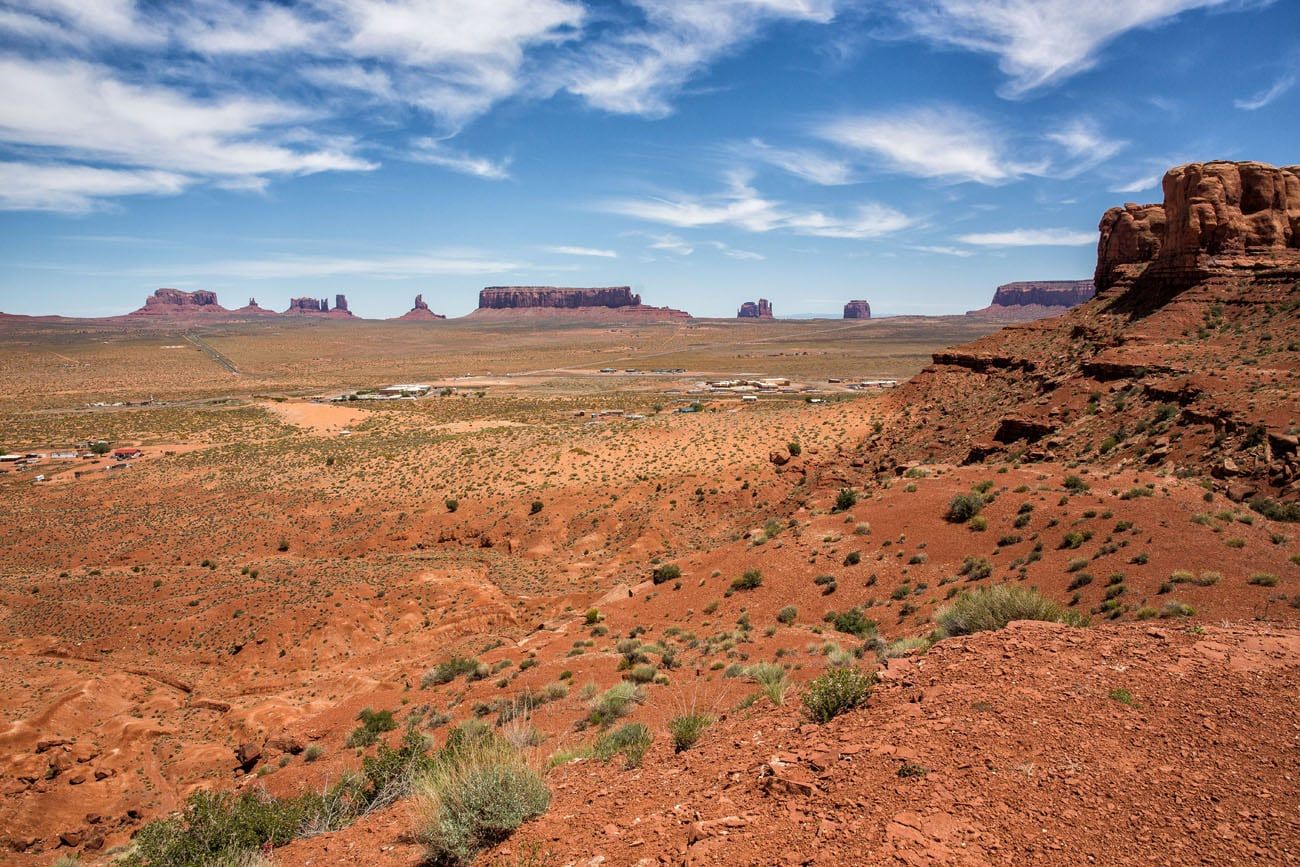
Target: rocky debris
{"points": [[420, 310], [1013, 428], [857, 310], [247, 755], [761, 309], [165, 302]]}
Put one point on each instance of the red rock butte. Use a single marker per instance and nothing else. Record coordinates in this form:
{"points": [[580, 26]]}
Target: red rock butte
{"points": [[420, 312], [171, 302], [761, 309], [857, 310], [1033, 299]]}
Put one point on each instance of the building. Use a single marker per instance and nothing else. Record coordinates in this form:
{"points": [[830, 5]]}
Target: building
{"points": [[126, 454], [405, 390]]}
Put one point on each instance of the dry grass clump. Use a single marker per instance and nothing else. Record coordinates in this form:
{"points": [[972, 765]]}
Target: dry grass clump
{"points": [[995, 607]]}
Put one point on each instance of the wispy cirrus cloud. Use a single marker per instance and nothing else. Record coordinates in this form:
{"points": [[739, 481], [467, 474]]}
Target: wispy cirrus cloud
{"points": [[640, 68], [1030, 238], [590, 252], [435, 152], [1040, 42], [75, 189], [810, 165], [941, 142], [1278, 88], [741, 206]]}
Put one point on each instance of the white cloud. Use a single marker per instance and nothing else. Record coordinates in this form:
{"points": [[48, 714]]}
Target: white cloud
{"points": [[1038, 42], [434, 152], [220, 27], [583, 251], [1030, 238], [77, 189], [943, 251], [304, 267], [1085, 145], [734, 253], [742, 207], [84, 20], [83, 111], [1268, 94], [640, 70], [1138, 185], [671, 244], [809, 165], [930, 142]]}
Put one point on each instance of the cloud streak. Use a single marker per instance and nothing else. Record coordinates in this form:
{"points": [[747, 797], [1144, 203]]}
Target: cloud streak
{"points": [[1030, 238]]}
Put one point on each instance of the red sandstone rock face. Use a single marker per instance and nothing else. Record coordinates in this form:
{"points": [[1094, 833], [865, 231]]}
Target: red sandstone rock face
{"points": [[1215, 215], [857, 310], [1044, 293], [252, 308], [751, 310], [173, 301], [420, 311], [564, 298]]}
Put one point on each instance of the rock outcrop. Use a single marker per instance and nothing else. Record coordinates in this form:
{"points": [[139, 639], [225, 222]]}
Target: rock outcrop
{"points": [[1178, 362], [420, 311], [619, 299], [1215, 215], [252, 308], [857, 310], [305, 305], [762, 309], [1044, 293], [171, 302]]}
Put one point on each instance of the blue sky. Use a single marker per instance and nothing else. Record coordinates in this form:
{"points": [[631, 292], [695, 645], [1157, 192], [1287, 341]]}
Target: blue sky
{"points": [[915, 153]]}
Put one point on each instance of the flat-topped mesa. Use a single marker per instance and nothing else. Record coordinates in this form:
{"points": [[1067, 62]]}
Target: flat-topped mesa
{"points": [[1216, 216], [602, 301], [762, 309], [556, 297], [308, 305], [420, 310], [1043, 293], [165, 302], [857, 310]]}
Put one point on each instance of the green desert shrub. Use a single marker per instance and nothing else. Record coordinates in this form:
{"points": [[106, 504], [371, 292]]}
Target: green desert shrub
{"points": [[846, 499], [995, 607], [630, 740], [751, 580], [836, 691], [373, 724], [687, 728], [615, 702], [474, 797], [963, 507], [667, 572], [787, 615], [771, 679], [449, 670]]}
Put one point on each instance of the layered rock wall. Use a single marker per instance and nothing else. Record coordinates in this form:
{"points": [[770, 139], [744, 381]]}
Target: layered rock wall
{"points": [[173, 301], [1043, 293], [555, 297]]}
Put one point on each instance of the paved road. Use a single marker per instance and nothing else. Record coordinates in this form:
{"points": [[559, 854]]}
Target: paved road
{"points": [[213, 354]]}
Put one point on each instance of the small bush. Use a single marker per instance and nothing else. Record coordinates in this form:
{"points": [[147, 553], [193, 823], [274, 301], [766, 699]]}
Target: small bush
{"points": [[667, 572], [614, 703], [1177, 609], [536, 507], [451, 504], [1075, 485], [751, 580], [687, 728], [836, 691], [794, 449], [976, 568], [963, 507], [373, 724], [853, 622], [474, 797], [446, 672], [846, 499], [995, 607], [771, 677], [1263, 579], [630, 740], [787, 615]]}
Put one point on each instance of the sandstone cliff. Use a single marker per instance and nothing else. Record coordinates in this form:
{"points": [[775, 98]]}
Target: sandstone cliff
{"points": [[857, 310], [762, 309], [306, 305], [171, 302]]}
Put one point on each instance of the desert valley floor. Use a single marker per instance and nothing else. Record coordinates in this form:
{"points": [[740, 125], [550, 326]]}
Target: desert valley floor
{"points": [[533, 535]]}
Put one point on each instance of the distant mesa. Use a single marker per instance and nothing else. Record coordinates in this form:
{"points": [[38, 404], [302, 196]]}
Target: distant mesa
{"points": [[857, 310], [762, 309], [604, 300], [1036, 299], [420, 311], [173, 302], [320, 306]]}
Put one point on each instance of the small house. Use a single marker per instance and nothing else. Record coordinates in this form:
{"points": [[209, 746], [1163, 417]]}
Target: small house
{"points": [[126, 454]]}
